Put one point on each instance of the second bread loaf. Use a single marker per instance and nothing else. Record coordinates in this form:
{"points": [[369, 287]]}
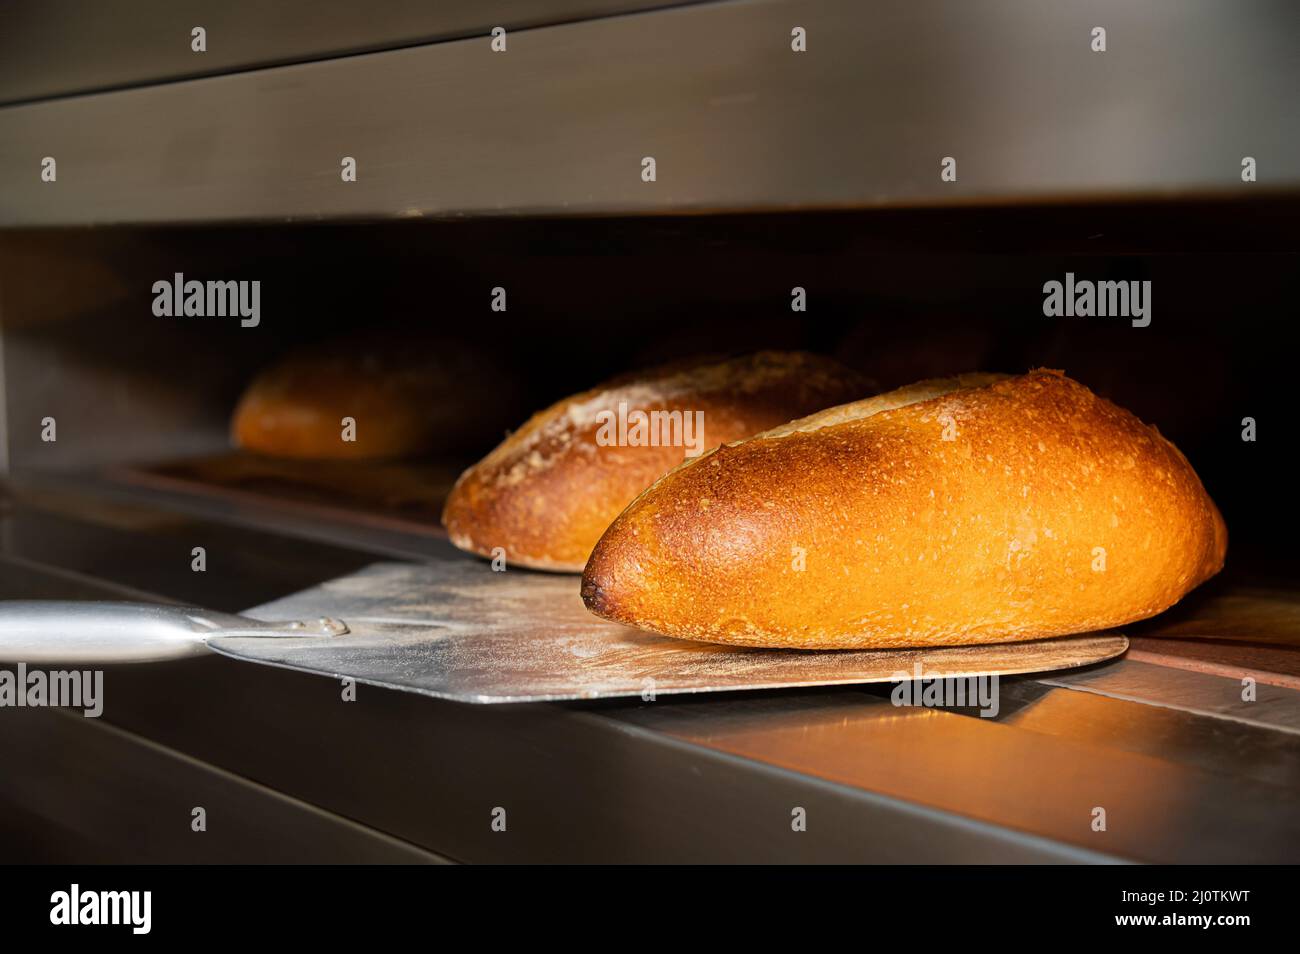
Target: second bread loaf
{"points": [[546, 494]]}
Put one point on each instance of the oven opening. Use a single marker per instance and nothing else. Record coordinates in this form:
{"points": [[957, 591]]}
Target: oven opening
{"points": [[497, 319]]}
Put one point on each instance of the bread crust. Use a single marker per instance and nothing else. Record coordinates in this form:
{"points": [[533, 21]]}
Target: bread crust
{"points": [[409, 394], [1047, 511], [547, 493]]}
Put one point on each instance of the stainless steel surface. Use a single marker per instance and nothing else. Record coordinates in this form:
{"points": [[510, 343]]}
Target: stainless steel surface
{"points": [[104, 548], [83, 791], [682, 779], [453, 629], [1275, 707], [4, 406], [578, 784], [58, 47], [91, 631], [734, 119], [1177, 787]]}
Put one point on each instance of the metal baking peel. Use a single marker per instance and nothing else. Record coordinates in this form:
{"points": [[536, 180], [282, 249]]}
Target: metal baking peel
{"points": [[454, 629], [57, 631]]}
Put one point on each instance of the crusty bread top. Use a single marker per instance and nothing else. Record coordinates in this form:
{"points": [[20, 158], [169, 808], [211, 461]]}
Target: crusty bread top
{"points": [[549, 432], [861, 410], [913, 538], [889, 401], [547, 492]]}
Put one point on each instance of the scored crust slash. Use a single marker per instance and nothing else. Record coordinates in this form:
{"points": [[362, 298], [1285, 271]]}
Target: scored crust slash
{"points": [[549, 490]]}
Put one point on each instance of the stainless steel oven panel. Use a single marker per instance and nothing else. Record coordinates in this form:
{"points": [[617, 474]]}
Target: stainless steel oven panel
{"points": [[102, 49], [734, 118]]}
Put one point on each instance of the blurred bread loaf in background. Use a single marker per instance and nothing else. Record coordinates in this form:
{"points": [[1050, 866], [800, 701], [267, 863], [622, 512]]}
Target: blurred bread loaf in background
{"points": [[410, 394]]}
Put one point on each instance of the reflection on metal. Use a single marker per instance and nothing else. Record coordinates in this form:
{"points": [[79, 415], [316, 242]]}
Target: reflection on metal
{"points": [[1177, 787], [1274, 707], [61, 47], [96, 632], [735, 120]]}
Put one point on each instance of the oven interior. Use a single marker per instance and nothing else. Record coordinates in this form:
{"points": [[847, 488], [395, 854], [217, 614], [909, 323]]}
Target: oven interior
{"points": [[143, 469], [143, 403]]}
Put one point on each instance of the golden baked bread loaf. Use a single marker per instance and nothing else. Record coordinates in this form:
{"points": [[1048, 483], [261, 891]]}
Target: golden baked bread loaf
{"points": [[548, 492], [408, 394], [980, 509]]}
